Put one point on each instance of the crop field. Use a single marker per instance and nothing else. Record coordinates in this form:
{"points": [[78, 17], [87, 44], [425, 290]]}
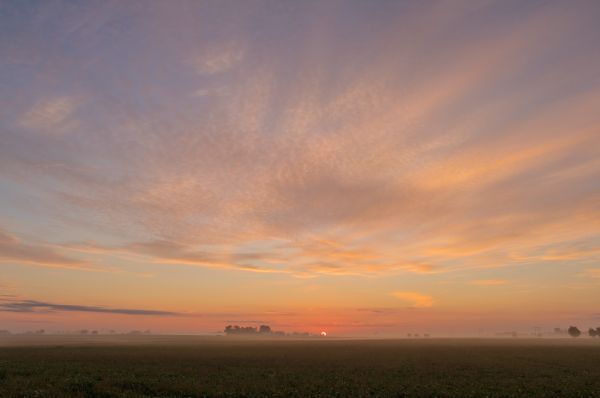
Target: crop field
{"points": [[162, 366]]}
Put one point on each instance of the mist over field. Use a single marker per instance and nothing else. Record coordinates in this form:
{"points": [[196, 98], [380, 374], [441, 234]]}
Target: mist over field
{"points": [[192, 366]]}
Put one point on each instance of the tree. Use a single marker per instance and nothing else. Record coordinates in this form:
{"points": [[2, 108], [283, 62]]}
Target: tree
{"points": [[592, 332], [235, 329], [574, 332], [264, 329]]}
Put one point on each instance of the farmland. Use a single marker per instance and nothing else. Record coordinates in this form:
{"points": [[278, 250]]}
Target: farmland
{"points": [[168, 366]]}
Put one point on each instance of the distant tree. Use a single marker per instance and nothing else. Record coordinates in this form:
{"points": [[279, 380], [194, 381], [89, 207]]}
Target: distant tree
{"points": [[94, 332], [266, 329], [574, 331], [83, 331], [592, 332], [235, 329]]}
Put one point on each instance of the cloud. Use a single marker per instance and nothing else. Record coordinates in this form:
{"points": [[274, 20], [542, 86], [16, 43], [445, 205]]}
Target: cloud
{"points": [[51, 115], [39, 306], [381, 311], [218, 59], [14, 251], [416, 300], [315, 162], [170, 252], [488, 282], [591, 273]]}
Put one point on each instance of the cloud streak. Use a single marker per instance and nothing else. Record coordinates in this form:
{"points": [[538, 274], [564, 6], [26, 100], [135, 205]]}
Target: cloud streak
{"points": [[591, 273], [488, 282], [13, 250], [416, 300], [32, 306]]}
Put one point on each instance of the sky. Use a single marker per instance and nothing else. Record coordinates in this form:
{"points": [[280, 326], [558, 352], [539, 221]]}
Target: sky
{"points": [[367, 168]]}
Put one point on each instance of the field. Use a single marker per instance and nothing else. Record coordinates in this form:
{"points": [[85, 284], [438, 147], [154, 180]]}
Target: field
{"points": [[162, 366]]}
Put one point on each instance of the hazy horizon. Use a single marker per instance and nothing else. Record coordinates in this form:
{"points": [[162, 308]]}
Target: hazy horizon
{"points": [[361, 168]]}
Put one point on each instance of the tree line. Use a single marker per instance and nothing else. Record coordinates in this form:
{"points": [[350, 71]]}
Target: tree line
{"points": [[262, 330], [575, 332]]}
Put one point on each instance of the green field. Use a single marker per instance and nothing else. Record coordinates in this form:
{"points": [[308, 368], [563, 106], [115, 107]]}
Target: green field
{"points": [[224, 367]]}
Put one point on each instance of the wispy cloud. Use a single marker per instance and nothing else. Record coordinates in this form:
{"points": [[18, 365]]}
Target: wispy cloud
{"points": [[218, 59], [488, 282], [51, 115], [13, 250], [591, 273], [39, 306], [416, 300]]}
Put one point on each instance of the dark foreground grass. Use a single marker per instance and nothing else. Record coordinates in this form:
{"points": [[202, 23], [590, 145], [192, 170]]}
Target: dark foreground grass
{"points": [[221, 367]]}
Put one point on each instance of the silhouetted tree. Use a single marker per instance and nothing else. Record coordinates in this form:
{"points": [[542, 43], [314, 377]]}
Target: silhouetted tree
{"points": [[592, 332], [574, 332], [240, 330], [264, 329]]}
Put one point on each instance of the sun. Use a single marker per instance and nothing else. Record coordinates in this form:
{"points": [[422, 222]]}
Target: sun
{"points": [[323, 333]]}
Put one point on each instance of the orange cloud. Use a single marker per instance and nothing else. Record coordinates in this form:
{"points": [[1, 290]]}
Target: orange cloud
{"points": [[489, 282], [14, 251], [416, 300], [51, 115], [591, 273]]}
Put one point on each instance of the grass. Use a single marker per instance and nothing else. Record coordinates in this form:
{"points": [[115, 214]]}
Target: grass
{"points": [[222, 367]]}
